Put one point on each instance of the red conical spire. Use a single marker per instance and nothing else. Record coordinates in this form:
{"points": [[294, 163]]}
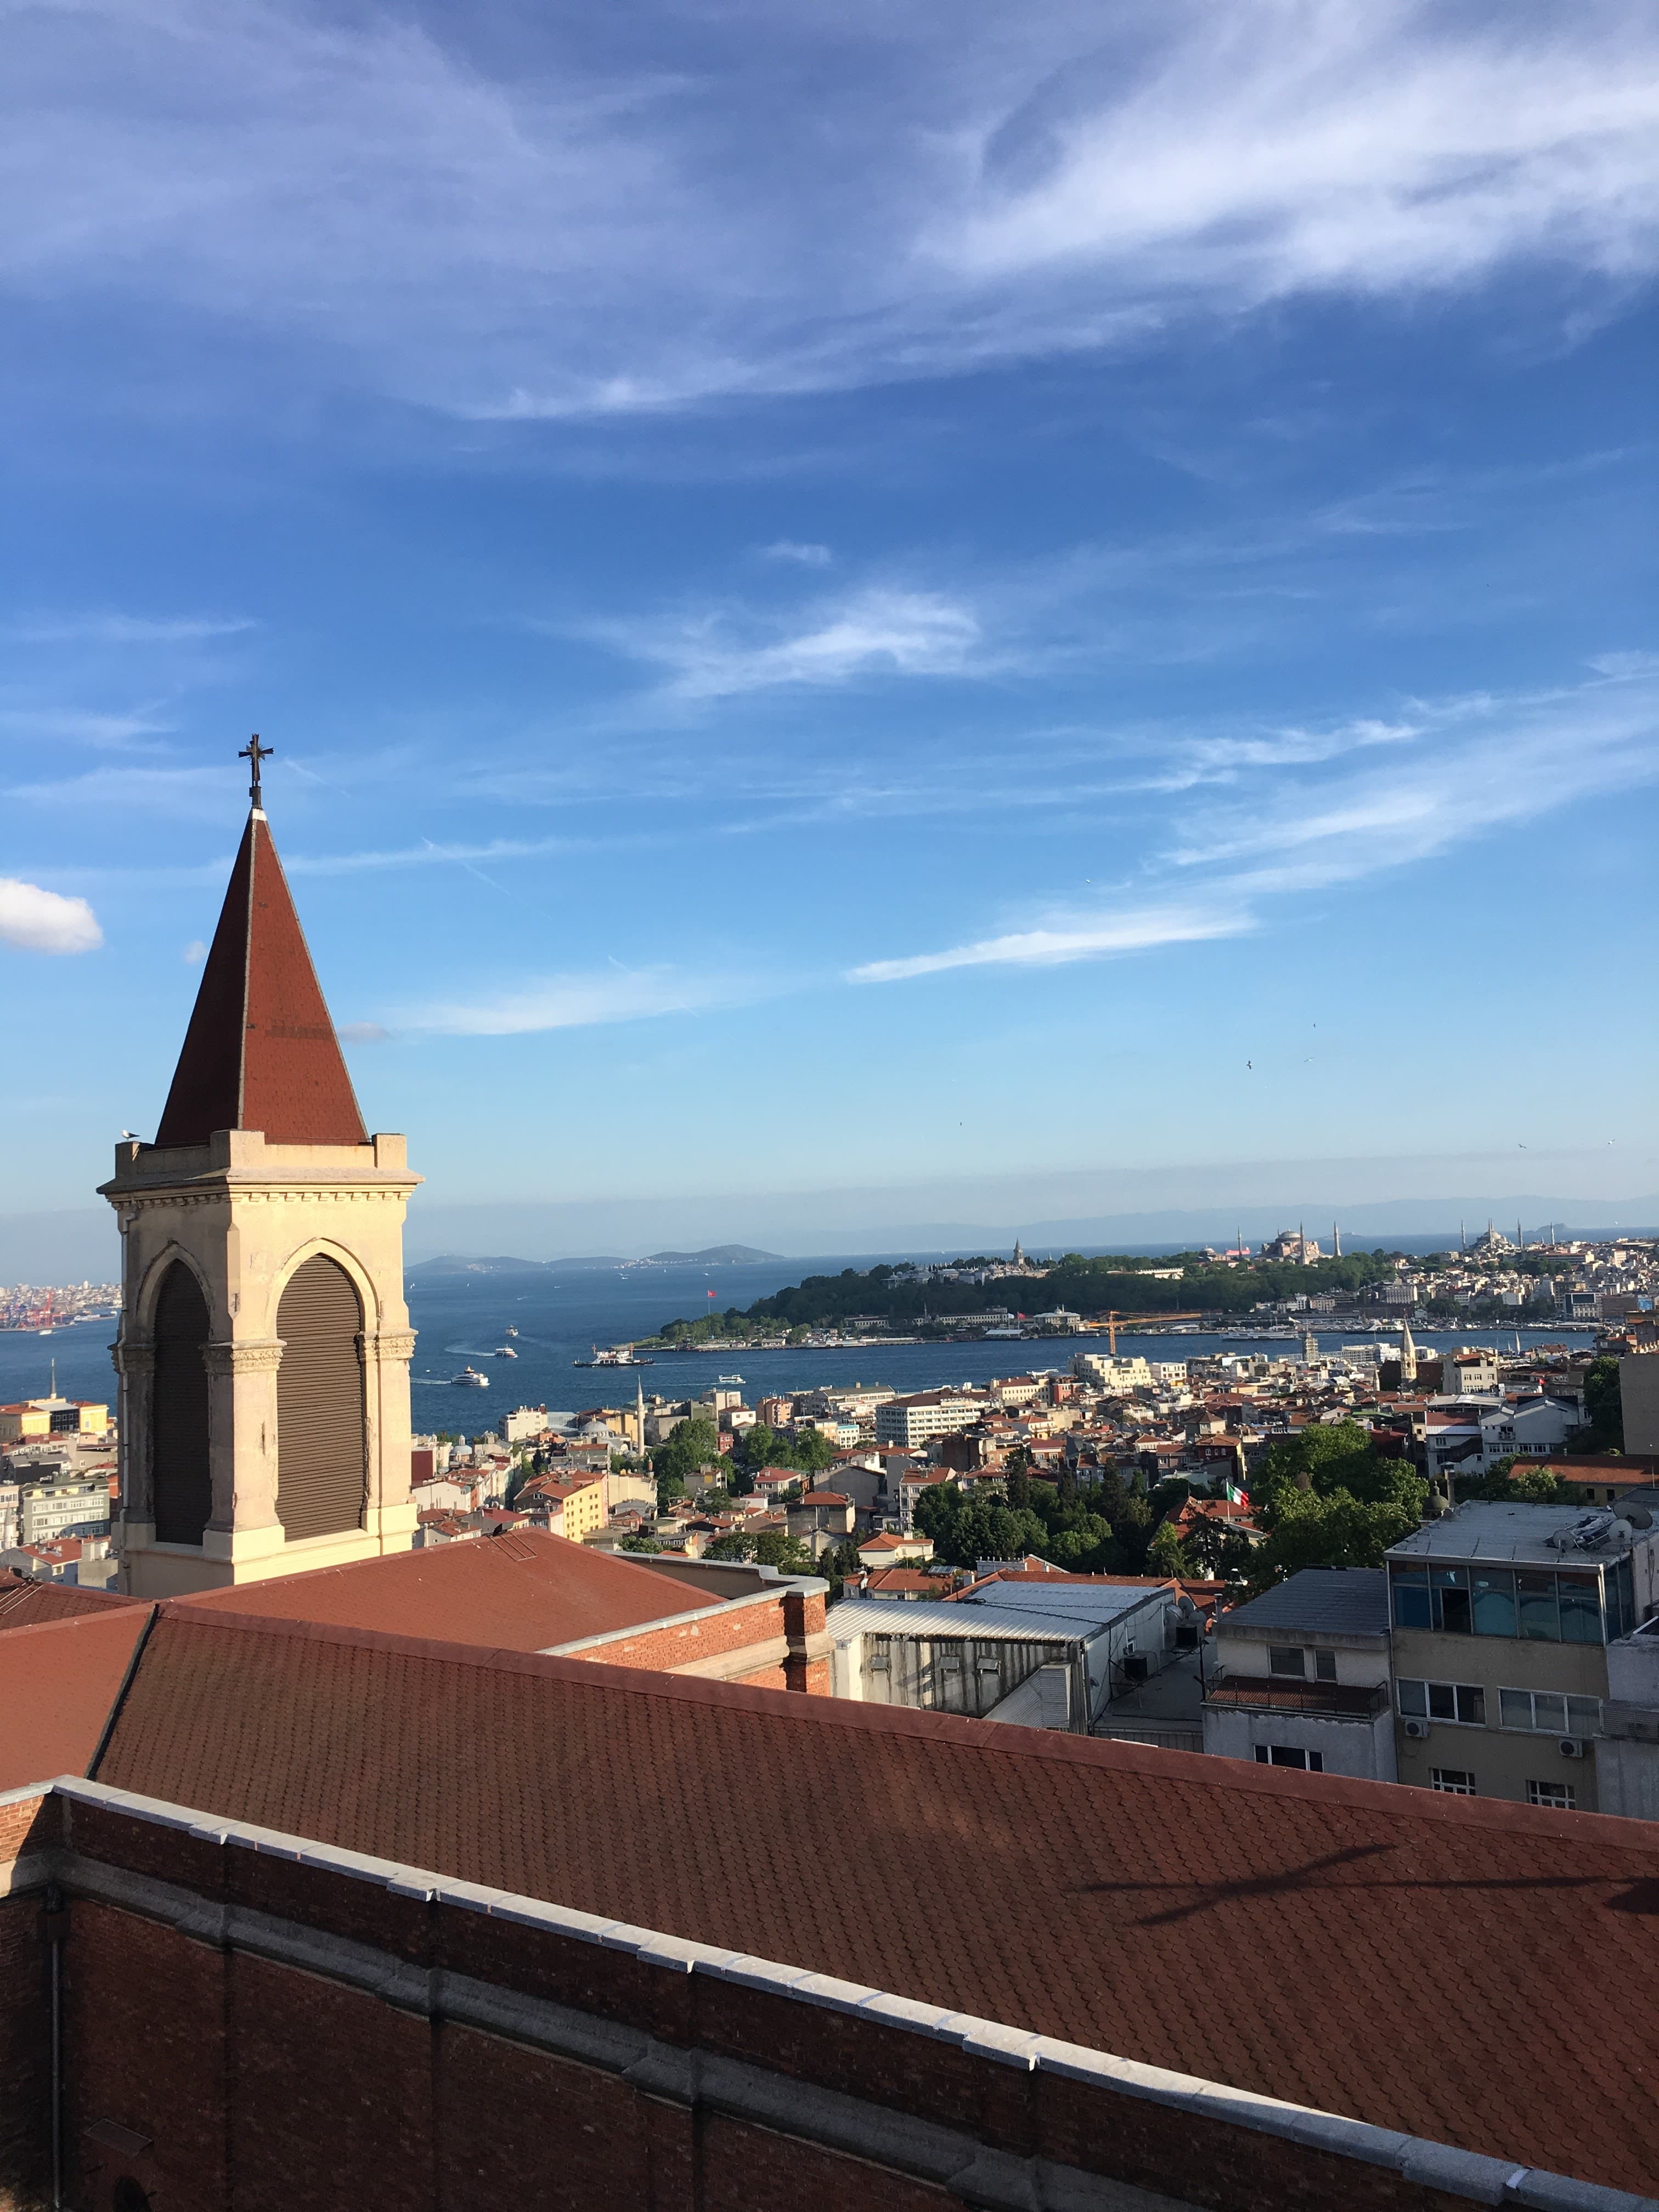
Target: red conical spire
{"points": [[260, 1052]]}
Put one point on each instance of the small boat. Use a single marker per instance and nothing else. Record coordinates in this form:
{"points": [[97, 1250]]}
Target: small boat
{"points": [[731, 1379], [503, 1352], [470, 1379], [509, 1330]]}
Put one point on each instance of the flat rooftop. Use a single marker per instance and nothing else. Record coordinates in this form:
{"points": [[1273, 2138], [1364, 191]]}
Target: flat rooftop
{"points": [[1540, 1535], [1320, 1601]]}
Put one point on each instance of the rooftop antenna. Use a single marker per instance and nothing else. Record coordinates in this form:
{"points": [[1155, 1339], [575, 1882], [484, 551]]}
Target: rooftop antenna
{"points": [[253, 752]]}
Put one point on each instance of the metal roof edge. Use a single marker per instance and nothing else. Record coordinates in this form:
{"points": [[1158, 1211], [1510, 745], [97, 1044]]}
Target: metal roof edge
{"points": [[767, 1596], [1470, 2175]]}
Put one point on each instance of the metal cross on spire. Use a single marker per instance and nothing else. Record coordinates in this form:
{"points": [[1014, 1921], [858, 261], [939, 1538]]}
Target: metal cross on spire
{"points": [[253, 752]]}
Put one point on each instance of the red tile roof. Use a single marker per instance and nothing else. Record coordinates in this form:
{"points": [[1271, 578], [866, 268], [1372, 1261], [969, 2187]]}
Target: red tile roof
{"points": [[522, 1591], [61, 1678], [260, 1052], [1310, 1902], [24, 1601]]}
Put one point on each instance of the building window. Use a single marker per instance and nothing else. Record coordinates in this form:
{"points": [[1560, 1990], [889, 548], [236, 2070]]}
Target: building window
{"points": [[1289, 1755], [1453, 1781], [1462, 1702], [1558, 1796], [1547, 1712], [1285, 1659], [1325, 1666], [1533, 1603]]}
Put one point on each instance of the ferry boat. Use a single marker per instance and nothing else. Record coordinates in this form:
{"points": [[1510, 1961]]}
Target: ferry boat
{"points": [[509, 1330], [732, 1380], [618, 1355], [470, 1379], [503, 1352]]}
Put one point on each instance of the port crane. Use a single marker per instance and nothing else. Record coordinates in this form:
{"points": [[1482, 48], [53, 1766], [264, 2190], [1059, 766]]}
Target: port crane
{"points": [[1113, 1321]]}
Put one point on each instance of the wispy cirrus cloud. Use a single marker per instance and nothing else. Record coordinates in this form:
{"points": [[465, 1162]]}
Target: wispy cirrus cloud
{"points": [[580, 1001], [523, 224], [125, 629], [881, 630], [1471, 768]]}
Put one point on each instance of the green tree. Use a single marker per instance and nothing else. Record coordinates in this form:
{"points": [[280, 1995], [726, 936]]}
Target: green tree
{"points": [[639, 1544], [773, 1548], [1018, 1486], [1166, 1555], [1604, 1406], [840, 1565], [693, 1446]]}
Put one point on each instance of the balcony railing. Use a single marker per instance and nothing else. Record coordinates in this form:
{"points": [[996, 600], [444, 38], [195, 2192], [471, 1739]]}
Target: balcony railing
{"points": [[1342, 1701]]}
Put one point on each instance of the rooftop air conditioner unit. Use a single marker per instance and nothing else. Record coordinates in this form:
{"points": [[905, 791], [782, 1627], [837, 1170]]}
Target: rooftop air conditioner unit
{"points": [[1416, 1729], [1134, 1666], [1571, 1746]]}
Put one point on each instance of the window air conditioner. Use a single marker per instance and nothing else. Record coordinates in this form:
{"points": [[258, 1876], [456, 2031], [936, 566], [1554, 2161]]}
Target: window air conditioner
{"points": [[1416, 1729], [1571, 1746]]}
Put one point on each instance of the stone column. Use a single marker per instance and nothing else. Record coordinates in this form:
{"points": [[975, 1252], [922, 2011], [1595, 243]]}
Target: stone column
{"points": [[242, 1447], [389, 1511]]}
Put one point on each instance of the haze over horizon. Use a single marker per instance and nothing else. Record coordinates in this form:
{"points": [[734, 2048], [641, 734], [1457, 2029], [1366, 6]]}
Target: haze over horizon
{"points": [[873, 624]]}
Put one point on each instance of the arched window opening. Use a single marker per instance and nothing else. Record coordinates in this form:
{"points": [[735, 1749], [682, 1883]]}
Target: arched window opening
{"points": [[321, 1444], [181, 1479]]}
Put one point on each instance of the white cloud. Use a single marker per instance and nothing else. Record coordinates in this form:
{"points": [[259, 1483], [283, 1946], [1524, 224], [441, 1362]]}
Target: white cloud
{"points": [[525, 224], [195, 952], [123, 629], [880, 631], [363, 1033], [579, 1002], [806, 556], [1132, 929], [36, 921], [1621, 664]]}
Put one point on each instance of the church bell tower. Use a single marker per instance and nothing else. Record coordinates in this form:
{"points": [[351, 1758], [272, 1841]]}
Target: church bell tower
{"points": [[264, 1343]]}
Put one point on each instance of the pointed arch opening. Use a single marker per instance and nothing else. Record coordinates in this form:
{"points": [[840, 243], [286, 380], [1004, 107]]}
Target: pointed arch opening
{"points": [[181, 1478], [322, 1457]]}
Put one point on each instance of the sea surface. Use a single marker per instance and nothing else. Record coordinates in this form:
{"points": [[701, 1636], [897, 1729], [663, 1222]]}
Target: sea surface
{"points": [[462, 1319]]}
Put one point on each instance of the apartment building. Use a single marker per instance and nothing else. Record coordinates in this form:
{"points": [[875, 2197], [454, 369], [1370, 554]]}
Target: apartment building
{"points": [[1501, 1617], [908, 1422], [1300, 1677]]}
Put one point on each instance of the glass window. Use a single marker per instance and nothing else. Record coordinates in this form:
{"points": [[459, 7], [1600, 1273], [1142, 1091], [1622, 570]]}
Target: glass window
{"points": [[1561, 1796], [1580, 1608], [1411, 1597], [1493, 1599], [1514, 1709], [1584, 1716], [1540, 1618], [1412, 1697], [1450, 1589], [1620, 1594], [1443, 1701], [1453, 1781], [1471, 1706], [1285, 1659], [1289, 1755], [1325, 1666], [1549, 1712]]}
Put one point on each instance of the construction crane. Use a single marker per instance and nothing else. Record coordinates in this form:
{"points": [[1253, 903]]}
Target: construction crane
{"points": [[1114, 1321]]}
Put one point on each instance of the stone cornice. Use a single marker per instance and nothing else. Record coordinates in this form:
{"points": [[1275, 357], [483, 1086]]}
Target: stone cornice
{"points": [[252, 1355], [389, 1344]]}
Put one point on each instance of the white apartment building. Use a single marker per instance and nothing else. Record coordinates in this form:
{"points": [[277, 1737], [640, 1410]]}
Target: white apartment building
{"points": [[906, 1422], [1119, 1373]]}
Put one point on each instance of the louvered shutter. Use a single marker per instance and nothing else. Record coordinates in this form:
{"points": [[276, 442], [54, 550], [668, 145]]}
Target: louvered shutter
{"points": [[180, 1477], [321, 1456]]}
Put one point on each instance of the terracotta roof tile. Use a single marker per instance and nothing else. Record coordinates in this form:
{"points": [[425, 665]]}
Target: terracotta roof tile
{"points": [[524, 1590], [61, 1679], [1050, 1881], [25, 1602], [260, 1052]]}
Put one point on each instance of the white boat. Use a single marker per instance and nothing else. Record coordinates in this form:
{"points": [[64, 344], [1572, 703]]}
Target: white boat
{"points": [[509, 1330], [503, 1352], [732, 1379], [470, 1379]]}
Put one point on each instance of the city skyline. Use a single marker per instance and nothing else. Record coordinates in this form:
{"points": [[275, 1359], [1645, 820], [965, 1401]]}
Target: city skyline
{"points": [[1038, 640]]}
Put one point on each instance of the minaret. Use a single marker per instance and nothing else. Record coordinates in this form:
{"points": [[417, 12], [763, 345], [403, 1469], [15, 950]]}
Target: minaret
{"points": [[638, 1414], [1408, 1353], [1336, 1242], [264, 1343], [1019, 1256]]}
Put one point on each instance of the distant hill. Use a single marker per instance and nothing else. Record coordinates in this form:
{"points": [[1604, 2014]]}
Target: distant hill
{"points": [[713, 1255]]}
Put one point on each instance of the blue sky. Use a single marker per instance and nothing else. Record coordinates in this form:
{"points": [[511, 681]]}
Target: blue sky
{"points": [[852, 596]]}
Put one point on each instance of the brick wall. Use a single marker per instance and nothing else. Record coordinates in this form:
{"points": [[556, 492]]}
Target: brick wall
{"points": [[30, 1826], [280, 2088], [793, 1613]]}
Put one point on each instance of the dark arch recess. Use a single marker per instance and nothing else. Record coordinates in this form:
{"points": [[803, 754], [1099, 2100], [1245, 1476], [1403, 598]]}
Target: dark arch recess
{"points": [[181, 1481], [321, 1443]]}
